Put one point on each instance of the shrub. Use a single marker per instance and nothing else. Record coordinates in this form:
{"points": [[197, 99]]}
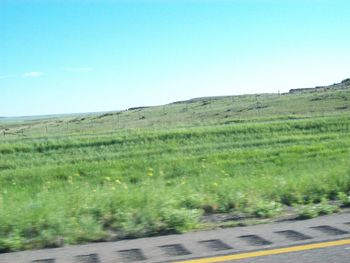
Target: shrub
{"points": [[266, 209], [344, 199], [314, 210]]}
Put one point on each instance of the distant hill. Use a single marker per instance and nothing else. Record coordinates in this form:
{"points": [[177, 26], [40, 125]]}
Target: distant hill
{"points": [[203, 111], [343, 84]]}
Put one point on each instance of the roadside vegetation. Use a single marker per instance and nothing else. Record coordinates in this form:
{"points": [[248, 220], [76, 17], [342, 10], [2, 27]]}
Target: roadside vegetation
{"points": [[157, 170]]}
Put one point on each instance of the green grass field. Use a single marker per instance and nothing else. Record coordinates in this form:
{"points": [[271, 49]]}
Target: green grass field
{"points": [[155, 170]]}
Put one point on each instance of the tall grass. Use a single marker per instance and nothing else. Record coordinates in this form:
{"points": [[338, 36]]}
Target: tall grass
{"points": [[156, 170], [58, 190]]}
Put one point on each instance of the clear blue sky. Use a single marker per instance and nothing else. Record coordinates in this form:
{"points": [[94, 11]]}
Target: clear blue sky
{"points": [[83, 55]]}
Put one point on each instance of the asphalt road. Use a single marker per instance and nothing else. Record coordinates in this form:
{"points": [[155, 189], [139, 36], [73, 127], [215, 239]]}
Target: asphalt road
{"points": [[323, 239], [337, 254], [330, 251]]}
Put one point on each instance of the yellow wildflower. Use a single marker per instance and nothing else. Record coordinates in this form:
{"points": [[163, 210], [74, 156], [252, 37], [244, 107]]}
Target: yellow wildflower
{"points": [[70, 179], [150, 172]]}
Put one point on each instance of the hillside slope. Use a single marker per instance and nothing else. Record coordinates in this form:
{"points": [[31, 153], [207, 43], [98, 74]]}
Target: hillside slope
{"points": [[297, 104], [167, 169]]}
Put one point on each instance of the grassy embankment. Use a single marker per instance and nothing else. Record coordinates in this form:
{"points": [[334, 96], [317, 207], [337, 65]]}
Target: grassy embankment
{"points": [[157, 170]]}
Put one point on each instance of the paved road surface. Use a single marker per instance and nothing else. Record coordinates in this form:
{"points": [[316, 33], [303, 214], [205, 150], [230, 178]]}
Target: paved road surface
{"points": [[330, 251], [337, 254], [323, 239]]}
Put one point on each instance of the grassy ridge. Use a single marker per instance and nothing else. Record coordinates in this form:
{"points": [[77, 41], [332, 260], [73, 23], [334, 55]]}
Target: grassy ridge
{"points": [[195, 112], [91, 183]]}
